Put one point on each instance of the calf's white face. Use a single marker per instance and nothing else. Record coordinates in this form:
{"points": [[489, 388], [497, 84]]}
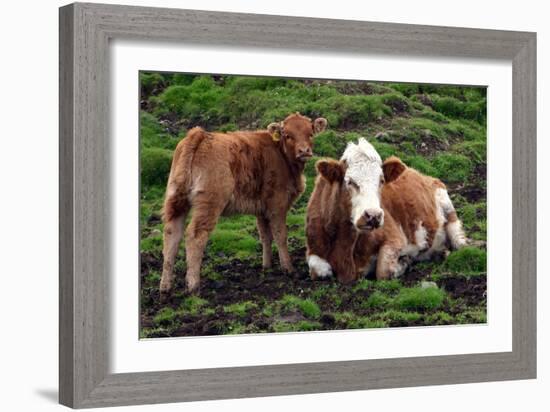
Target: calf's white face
{"points": [[364, 178]]}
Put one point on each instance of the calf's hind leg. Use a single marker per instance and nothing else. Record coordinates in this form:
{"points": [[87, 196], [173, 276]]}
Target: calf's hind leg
{"points": [[174, 216], [205, 217]]}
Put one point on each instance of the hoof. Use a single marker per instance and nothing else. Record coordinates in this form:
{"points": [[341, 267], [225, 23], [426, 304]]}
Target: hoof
{"points": [[193, 288], [165, 296], [289, 269]]}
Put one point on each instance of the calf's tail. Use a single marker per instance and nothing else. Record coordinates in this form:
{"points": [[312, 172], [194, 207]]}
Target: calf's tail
{"points": [[455, 232], [180, 180], [453, 225]]}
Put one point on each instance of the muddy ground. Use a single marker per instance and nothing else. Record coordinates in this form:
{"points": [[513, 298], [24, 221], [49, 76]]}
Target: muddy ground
{"points": [[246, 281]]}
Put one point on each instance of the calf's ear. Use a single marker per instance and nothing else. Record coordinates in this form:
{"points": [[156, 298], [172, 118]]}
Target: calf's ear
{"points": [[392, 168], [274, 130], [331, 170], [319, 125], [274, 127]]}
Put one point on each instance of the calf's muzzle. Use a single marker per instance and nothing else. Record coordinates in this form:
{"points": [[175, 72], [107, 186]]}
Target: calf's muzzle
{"points": [[370, 219]]}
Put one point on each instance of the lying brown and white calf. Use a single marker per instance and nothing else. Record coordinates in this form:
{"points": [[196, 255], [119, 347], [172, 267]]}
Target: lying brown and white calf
{"points": [[364, 215], [259, 173]]}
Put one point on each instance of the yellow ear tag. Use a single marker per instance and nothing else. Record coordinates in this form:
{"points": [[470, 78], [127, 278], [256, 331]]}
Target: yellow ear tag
{"points": [[276, 136]]}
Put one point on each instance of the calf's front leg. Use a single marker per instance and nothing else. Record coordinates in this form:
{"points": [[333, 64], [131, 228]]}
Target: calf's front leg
{"points": [[341, 257], [266, 237], [279, 230], [388, 265]]}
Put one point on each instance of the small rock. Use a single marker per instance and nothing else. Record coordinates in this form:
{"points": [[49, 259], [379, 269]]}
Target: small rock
{"points": [[426, 285]]}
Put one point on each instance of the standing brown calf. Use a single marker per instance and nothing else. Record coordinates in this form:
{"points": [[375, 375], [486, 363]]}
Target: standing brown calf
{"points": [[259, 173], [364, 215]]}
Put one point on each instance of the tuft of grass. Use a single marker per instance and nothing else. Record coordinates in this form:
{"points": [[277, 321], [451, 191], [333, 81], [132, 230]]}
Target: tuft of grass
{"points": [[303, 325], [235, 328], [394, 317], [165, 317], [452, 168], [153, 277], [155, 166], [364, 284], [231, 242], [438, 318], [193, 305], [240, 308], [421, 164], [467, 261], [453, 107], [377, 300], [150, 82], [385, 150], [388, 286], [308, 307], [397, 102], [472, 316], [417, 298], [152, 134], [328, 144], [422, 127], [475, 150], [363, 322]]}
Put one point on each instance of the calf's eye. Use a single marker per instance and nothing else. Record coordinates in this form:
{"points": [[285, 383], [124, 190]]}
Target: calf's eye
{"points": [[352, 184]]}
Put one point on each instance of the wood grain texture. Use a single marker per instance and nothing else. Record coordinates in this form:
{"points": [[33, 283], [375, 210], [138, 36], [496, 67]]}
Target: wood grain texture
{"points": [[85, 30]]}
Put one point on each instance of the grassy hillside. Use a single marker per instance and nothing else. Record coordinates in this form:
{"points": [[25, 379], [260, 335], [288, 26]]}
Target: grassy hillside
{"points": [[439, 130]]}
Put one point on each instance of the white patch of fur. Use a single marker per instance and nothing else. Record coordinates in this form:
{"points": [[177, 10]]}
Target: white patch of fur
{"points": [[439, 240], [420, 241], [321, 267], [364, 168], [444, 205], [456, 234], [421, 237]]}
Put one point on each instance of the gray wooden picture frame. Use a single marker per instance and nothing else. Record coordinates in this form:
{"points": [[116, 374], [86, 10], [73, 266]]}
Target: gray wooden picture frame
{"points": [[85, 31]]}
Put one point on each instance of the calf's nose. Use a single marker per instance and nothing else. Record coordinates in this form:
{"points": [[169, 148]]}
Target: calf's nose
{"points": [[371, 219], [304, 151]]}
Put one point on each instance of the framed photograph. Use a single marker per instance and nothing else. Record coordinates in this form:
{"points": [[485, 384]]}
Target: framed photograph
{"points": [[257, 205]]}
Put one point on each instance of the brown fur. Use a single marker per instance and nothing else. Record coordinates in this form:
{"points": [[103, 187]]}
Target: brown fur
{"points": [[259, 173], [408, 200]]}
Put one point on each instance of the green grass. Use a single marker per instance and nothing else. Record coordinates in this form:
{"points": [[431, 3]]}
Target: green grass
{"points": [[417, 298], [307, 307], [467, 261], [155, 166], [240, 309], [165, 317], [303, 325], [452, 168], [229, 242], [193, 304], [377, 300]]}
